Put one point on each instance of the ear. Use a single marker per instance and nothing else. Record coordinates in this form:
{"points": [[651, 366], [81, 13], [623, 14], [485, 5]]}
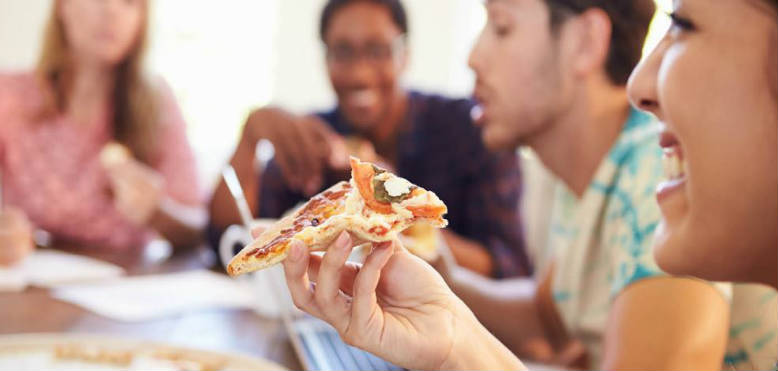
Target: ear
{"points": [[591, 35]]}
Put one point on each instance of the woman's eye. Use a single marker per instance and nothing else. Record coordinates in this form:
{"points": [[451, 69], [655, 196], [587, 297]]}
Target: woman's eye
{"points": [[681, 23]]}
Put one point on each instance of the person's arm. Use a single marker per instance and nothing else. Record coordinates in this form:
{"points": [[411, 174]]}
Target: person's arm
{"points": [[468, 253], [179, 224], [667, 323], [506, 307], [301, 151]]}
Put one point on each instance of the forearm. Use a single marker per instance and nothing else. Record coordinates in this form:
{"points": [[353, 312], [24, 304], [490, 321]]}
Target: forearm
{"points": [[182, 225], [469, 254], [475, 348], [224, 211], [505, 307]]}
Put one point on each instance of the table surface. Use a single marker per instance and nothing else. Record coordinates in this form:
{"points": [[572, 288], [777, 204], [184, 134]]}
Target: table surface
{"points": [[243, 331]]}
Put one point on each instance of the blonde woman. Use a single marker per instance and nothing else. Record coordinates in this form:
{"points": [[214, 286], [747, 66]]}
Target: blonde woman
{"points": [[89, 90]]}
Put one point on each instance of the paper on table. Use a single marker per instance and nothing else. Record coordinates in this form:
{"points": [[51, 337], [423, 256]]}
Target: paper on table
{"points": [[150, 297], [49, 268]]}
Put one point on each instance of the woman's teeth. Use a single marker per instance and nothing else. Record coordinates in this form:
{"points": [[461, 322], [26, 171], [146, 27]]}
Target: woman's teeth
{"points": [[673, 164]]}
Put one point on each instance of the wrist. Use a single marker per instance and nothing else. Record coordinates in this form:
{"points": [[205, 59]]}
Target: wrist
{"points": [[464, 353], [247, 145], [475, 348], [245, 154]]}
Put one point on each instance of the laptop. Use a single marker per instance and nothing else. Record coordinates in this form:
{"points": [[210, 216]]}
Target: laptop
{"points": [[316, 343]]}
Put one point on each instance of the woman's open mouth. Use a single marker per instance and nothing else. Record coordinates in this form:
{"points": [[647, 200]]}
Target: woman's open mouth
{"points": [[673, 164]]}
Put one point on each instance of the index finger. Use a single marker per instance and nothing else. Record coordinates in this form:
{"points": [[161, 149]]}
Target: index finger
{"points": [[296, 274]]}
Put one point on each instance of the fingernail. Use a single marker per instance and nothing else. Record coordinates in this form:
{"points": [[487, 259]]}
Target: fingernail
{"points": [[311, 188], [383, 245], [295, 251], [382, 249], [343, 241]]}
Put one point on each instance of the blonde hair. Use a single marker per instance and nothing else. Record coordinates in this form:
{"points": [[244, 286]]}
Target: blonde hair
{"points": [[135, 103]]}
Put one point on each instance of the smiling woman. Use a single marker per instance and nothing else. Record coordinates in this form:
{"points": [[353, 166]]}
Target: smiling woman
{"points": [[720, 216], [713, 82]]}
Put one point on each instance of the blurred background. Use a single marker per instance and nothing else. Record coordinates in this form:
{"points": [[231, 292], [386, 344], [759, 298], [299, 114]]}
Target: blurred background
{"points": [[261, 52]]}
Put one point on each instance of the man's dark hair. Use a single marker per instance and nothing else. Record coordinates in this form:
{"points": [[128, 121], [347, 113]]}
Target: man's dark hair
{"points": [[630, 19], [395, 8]]}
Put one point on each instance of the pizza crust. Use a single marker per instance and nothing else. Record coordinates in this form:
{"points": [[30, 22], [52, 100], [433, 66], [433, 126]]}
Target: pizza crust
{"points": [[316, 237]]}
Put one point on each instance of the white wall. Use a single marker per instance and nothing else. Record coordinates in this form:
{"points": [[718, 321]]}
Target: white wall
{"points": [[21, 27], [224, 58]]}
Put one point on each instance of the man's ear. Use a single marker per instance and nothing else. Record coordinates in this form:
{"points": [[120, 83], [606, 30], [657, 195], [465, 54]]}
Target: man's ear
{"points": [[588, 39]]}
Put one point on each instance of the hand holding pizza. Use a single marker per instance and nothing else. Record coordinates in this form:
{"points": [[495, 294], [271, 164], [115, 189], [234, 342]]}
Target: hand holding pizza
{"points": [[395, 305], [16, 240]]}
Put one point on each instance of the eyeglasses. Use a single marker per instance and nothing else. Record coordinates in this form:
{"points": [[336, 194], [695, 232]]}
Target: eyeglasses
{"points": [[375, 53]]}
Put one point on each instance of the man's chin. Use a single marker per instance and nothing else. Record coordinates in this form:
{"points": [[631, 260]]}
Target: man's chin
{"points": [[360, 120], [498, 141]]}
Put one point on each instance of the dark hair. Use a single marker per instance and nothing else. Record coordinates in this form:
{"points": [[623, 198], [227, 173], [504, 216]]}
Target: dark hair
{"points": [[395, 8], [630, 19]]}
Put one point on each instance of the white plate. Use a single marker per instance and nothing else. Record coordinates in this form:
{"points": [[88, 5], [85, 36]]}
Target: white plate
{"points": [[96, 352]]}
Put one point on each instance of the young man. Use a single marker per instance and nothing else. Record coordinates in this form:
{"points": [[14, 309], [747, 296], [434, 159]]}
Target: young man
{"points": [[429, 140], [552, 74]]}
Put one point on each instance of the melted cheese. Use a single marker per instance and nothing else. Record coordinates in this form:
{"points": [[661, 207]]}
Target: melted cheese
{"points": [[367, 219], [397, 186]]}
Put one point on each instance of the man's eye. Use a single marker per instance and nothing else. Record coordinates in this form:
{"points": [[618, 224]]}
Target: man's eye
{"points": [[379, 52], [342, 53], [501, 30]]}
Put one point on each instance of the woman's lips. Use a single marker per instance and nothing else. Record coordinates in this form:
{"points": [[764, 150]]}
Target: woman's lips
{"points": [[673, 164]]}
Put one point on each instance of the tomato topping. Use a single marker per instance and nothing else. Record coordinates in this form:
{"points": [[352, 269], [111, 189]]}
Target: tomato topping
{"points": [[363, 174], [427, 211]]}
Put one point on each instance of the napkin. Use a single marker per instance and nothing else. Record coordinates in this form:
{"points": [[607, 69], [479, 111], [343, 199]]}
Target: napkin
{"points": [[144, 298], [49, 268]]}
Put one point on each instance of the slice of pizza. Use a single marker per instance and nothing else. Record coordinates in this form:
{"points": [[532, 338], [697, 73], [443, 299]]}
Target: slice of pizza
{"points": [[374, 206]]}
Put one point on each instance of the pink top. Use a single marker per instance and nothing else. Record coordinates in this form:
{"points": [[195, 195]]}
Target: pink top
{"points": [[51, 169]]}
